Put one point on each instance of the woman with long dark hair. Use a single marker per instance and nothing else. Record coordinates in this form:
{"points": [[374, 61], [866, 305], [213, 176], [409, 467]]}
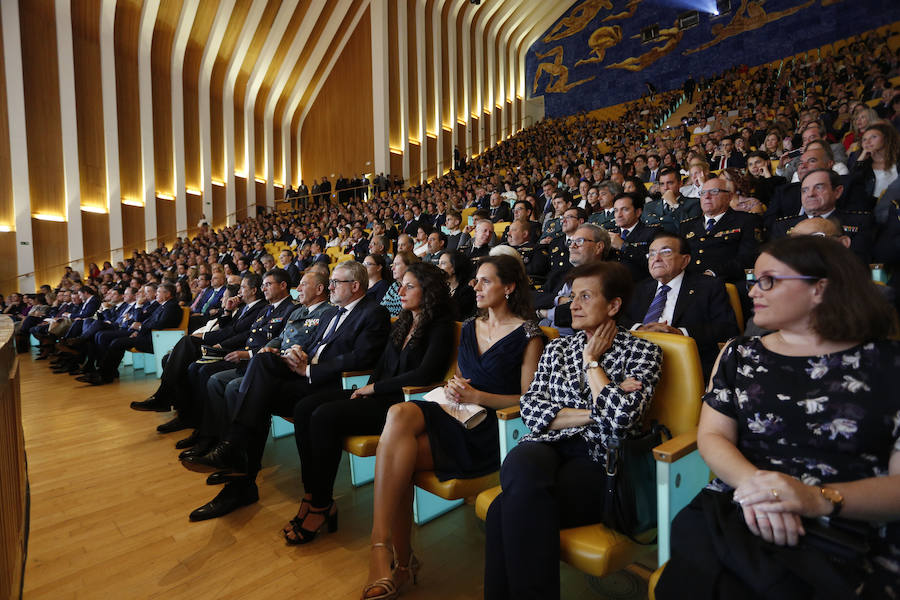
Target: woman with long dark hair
{"points": [[417, 353]]}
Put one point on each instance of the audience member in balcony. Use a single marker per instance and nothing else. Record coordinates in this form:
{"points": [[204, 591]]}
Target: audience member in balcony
{"points": [[588, 387], [417, 353], [498, 354], [821, 394]]}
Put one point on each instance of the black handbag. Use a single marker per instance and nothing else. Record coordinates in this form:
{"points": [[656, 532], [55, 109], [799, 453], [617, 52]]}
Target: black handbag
{"points": [[630, 502]]}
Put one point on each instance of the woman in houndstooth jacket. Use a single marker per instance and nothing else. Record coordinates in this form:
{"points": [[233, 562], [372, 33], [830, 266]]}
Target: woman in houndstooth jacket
{"points": [[588, 387]]}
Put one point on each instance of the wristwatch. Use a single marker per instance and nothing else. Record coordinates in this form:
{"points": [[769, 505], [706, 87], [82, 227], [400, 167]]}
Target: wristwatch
{"points": [[592, 365], [836, 499]]}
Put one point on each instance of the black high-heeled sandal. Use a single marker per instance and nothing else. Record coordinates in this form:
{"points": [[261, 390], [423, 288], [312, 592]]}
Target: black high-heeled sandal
{"points": [[297, 521], [305, 536]]}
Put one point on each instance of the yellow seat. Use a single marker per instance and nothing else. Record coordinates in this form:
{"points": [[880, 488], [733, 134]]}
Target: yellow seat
{"points": [[597, 549], [465, 214], [361, 445], [500, 227], [735, 302], [454, 489]]}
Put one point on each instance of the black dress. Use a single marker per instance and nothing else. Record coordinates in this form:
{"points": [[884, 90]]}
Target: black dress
{"points": [[459, 452], [821, 419], [464, 297]]}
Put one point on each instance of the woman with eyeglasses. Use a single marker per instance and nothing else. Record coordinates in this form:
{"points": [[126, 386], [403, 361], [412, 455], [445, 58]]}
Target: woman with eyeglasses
{"points": [[802, 428]]}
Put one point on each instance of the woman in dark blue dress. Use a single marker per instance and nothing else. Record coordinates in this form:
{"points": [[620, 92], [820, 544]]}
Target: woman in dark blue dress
{"points": [[498, 355]]}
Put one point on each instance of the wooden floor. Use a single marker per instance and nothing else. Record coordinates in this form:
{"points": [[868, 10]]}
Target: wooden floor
{"points": [[110, 505]]}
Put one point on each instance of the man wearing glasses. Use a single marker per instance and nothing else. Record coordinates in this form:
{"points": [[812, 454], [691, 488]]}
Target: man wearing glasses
{"points": [[819, 193], [590, 243], [723, 241], [349, 337], [672, 300]]}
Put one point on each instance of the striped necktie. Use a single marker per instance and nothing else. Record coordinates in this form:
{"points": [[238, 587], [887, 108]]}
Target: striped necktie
{"points": [[657, 306], [710, 223]]}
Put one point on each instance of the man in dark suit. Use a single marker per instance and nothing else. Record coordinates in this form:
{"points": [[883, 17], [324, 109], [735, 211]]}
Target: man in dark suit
{"points": [[286, 257], [349, 338], [240, 313], [727, 156], [632, 237], [723, 241], [819, 193], [499, 208], [212, 299], [671, 208], [166, 316], [672, 300]]}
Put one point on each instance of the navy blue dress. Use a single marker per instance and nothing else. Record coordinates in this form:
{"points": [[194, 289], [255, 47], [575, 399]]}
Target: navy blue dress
{"points": [[459, 452]]}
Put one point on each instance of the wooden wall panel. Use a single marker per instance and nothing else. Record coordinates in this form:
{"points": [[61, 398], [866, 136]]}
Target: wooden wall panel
{"points": [[127, 31], [43, 121], [217, 81], [415, 162], [412, 73], [501, 124], [476, 146], [50, 251], [193, 54], [260, 189], [194, 210], [95, 234], [161, 59], [132, 228], [165, 221], [259, 145], [430, 125], [217, 218], [278, 154], [240, 195], [431, 149], [8, 276], [89, 103], [395, 135], [396, 166], [486, 131], [342, 112], [447, 143]]}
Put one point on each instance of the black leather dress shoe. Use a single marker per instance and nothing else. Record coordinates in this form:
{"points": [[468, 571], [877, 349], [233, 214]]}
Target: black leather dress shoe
{"points": [[233, 496], [200, 447], [172, 426], [189, 441], [219, 477], [151, 404], [97, 379], [225, 456]]}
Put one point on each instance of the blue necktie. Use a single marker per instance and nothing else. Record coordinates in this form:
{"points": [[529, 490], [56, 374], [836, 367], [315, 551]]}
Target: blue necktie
{"points": [[330, 334], [657, 306], [710, 223]]}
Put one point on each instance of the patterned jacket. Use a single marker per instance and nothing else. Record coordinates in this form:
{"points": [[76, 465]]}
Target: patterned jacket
{"points": [[561, 382]]}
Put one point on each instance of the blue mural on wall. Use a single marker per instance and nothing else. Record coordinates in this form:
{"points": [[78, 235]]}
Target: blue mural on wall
{"points": [[593, 55]]}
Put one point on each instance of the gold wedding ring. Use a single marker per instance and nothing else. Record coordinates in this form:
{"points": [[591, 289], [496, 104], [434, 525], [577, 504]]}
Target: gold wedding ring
{"points": [[775, 493]]}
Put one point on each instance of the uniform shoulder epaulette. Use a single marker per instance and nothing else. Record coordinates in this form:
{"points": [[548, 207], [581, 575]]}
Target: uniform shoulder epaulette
{"points": [[689, 219]]}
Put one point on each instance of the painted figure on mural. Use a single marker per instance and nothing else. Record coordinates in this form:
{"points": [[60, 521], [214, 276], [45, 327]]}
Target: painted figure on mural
{"points": [[754, 18], [600, 41], [577, 19], [555, 69], [630, 7], [670, 37]]}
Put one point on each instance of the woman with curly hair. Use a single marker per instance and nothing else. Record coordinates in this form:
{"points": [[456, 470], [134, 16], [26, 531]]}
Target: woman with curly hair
{"points": [[417, 353], [877, 165]]}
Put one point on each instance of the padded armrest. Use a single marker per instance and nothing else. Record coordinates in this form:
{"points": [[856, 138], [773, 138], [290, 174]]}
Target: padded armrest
{"points": [[356, 373], [678, 447], [409, 390], [509, 413]]}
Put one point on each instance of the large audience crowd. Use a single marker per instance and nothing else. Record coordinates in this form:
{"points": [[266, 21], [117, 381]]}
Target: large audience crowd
{"points": [[777, 198]]}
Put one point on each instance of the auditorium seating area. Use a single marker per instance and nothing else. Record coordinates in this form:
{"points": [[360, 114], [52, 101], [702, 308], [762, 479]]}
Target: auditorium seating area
{"points": [[830, 84]]}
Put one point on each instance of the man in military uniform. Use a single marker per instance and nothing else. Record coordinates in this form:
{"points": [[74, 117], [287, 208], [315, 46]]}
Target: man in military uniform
{"points": [[522, 211], [268, 325], [606, 218], [537, 263], [558, 249], [723, 241], [241, 313], [819, 192], [298, 329], [632, 238], [672, 208]]}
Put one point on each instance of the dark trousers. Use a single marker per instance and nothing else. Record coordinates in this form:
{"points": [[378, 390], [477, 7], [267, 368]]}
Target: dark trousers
{"points": [[191, 399], [109, 363], [547, 486], [174, 375], [217, 414], [321, 420], [102, 341], [268, 388]]}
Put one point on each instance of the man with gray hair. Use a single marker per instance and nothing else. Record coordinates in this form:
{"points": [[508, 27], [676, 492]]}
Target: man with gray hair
{"points": [[589, 244], [608, 190], [349, 337]]}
